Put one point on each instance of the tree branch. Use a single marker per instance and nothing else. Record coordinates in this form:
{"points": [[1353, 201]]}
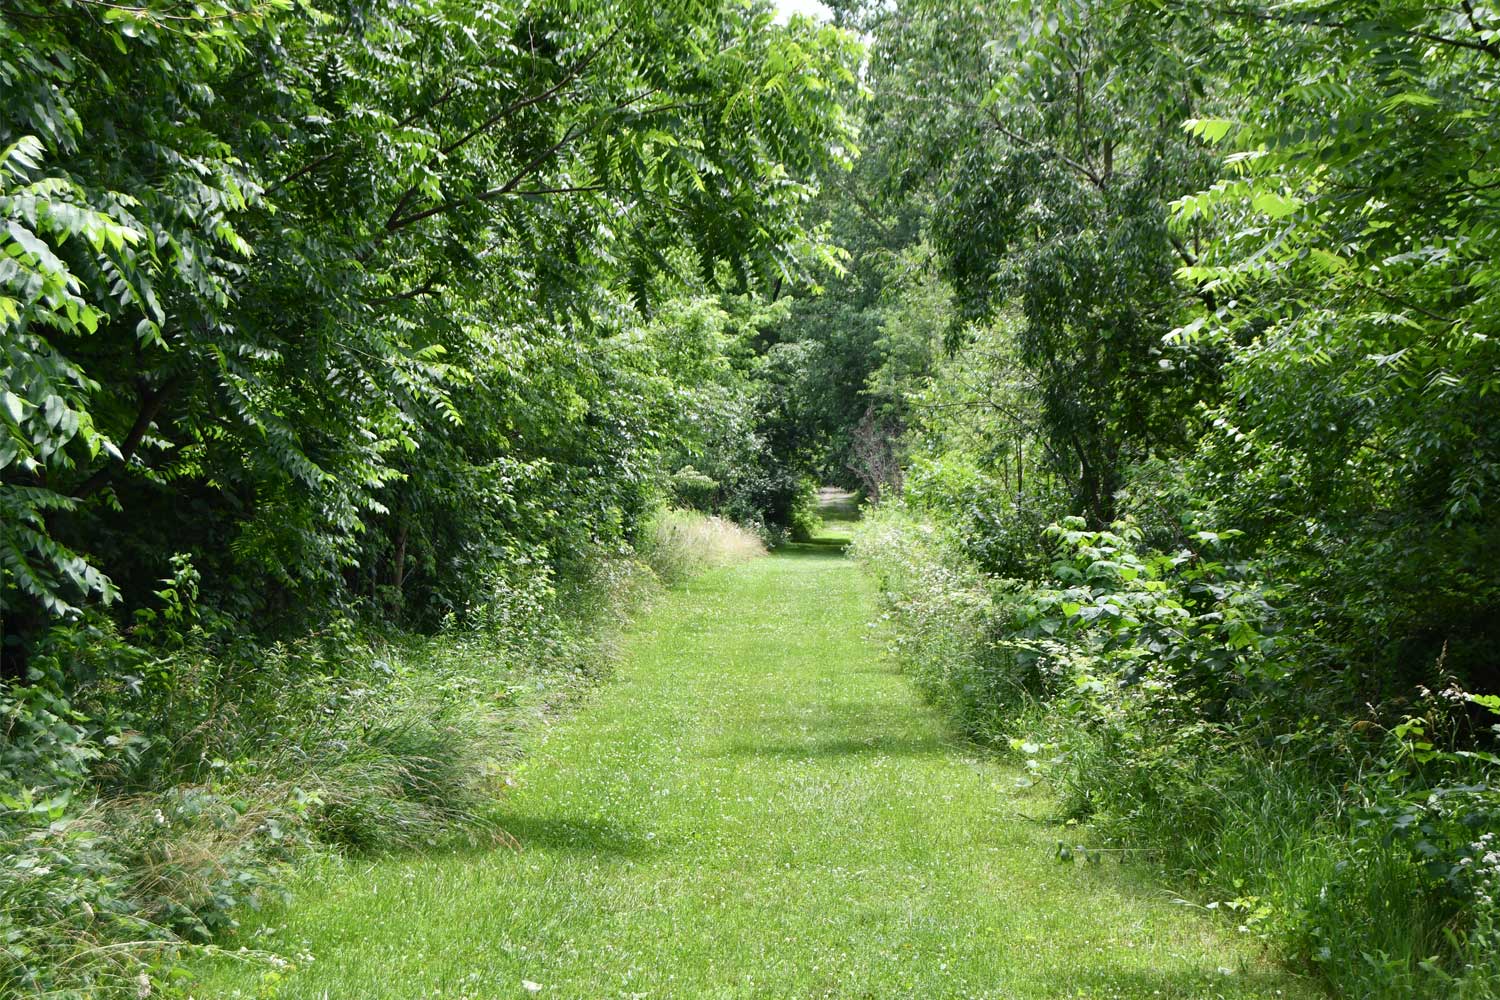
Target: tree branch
{"points": [[152, 401], [510, 109], [1080, 168], [425, 288], [568, 77], [1488, 48], [1191, 260], [509, 187], [320, 161]]}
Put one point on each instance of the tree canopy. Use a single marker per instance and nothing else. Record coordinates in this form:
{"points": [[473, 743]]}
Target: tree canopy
{"points": [[331, 294]]}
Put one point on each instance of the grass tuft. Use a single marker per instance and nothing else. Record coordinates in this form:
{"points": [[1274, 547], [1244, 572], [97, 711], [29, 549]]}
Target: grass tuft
{"points": [[680, 544]]}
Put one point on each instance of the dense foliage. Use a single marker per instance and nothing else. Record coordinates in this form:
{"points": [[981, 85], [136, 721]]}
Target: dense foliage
{"points": [[1190, 360], [328, 320], [1162, 332], [336, 297]]}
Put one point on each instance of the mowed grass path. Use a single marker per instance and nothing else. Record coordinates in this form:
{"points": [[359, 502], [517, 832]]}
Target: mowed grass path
{"points": [[757, 806]]}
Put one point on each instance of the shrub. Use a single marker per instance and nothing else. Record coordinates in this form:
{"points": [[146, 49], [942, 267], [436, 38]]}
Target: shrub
{"points": [[692, 489], [946, 617], [803, 519], [1158, 695], [1002, 531]]}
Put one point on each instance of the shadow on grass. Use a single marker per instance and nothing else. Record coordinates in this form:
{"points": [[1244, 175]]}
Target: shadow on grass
{"points": [[818, 548], [1239, 984], [839, 512], [825, 749], [837, 505], [562, 834]]}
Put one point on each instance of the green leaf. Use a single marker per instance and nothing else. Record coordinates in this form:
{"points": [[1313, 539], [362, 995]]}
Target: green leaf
{"points": [[1210, 130], [1277, 206], [14, 406]]}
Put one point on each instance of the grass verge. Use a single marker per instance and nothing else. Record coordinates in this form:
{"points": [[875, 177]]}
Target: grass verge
{"points": [[182, 788], [755, 807]]}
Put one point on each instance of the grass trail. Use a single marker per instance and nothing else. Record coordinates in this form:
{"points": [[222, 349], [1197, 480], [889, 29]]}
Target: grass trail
{"points": [[757, 806]]}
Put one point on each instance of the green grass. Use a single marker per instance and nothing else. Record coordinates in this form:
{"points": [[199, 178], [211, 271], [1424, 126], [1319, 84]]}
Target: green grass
{"points": [[758, 806], [838, 513]]}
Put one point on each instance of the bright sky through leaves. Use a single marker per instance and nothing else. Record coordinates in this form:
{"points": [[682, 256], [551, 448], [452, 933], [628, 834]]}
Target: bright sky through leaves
{"points": [[786, 8]]}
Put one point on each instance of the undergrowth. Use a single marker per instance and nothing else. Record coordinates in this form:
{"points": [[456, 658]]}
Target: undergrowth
{"points": [[1159, 696], [679, 544], [188, 769]]}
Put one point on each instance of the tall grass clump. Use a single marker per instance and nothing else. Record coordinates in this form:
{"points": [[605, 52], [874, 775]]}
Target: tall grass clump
{"points": [[679, 544], [1165, 702], [186, 769], [944, 616]]}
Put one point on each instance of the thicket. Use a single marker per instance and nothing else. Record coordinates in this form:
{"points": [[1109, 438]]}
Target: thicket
{"points": [[351, 352], [1177, 345]]}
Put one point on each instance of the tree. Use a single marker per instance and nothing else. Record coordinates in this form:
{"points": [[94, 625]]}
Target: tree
{"points": [[268, 260], [1352, 244], [1052, 185]]}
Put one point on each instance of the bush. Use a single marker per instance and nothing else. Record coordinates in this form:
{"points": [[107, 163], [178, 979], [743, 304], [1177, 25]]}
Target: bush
{"points": [[692, 489], [945, 617], [63, 908], [803, 520], [1157, 694], [1001, 531]]}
